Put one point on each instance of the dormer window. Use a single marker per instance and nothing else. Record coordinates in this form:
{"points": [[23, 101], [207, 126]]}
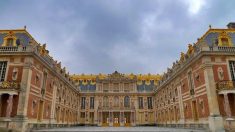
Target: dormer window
{"points": [[10, 42], [225, 41], [10, 39]]}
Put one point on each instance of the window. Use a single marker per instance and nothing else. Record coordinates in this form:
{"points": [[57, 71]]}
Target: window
{"points": [[34, 104], [44, 83], [105, 101], [3, 66], [126, 101], [10, 42], [150, 102], [140, 99], [191, 83], [126, 87], [115, 87], [105, 87], [91, 102], [224, 41], [83, 103], [116, 101], [82, 115], [232, 69]]}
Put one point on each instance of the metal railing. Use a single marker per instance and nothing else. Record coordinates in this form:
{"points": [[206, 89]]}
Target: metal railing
{"points": [[9, 85], [225, 85]]}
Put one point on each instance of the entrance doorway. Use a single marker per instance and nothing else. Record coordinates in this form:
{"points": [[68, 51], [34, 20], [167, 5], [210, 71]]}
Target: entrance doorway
{"points": [[40, 110], [116, 119], [105, 119], [127, 118], [195, 114]]}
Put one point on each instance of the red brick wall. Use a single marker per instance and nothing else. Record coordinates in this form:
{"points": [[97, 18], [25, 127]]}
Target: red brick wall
{"points": [[221, 104], [15, 105], [188, 111], [33, 79], [201, 80], [203, 112], [30, 102], [225, 71], [10, 72]]}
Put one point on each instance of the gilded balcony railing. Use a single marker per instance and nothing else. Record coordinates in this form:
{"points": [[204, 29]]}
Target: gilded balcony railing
{"points": [[9, 85], [225, 85]]}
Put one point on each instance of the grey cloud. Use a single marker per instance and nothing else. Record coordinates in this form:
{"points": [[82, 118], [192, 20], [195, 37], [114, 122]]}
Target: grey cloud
{"points": [[103, 36]]}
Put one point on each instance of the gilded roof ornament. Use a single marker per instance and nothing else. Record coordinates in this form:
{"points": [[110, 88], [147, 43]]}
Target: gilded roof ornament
{"points": [[42, 50], [182, 57], [190, 49]]}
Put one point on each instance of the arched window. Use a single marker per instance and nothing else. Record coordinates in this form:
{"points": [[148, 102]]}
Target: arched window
{"points": [[116, 101], [105, 101], [10, 42], [126, 101]]}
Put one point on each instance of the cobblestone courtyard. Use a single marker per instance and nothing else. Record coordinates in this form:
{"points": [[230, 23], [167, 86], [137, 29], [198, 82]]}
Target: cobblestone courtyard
{"points": [[118, 129]]}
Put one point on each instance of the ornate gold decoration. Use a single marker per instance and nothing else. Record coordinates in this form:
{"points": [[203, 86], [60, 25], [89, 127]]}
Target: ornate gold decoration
{"points": [[42, 50], [12, 36], [139, 82], [182, 57], [147, 82], [7, 85], [190, 49], [139, 77], [224, 39]]}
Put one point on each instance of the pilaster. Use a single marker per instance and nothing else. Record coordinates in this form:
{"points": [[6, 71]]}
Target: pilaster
{"points": [[215, 119], [24, 94]]}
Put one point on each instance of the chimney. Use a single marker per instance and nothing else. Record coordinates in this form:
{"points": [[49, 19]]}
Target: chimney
{"points": [[231, 25]]}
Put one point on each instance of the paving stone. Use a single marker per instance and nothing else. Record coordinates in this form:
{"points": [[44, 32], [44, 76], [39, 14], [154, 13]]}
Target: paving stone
{"points": [[119, 129]]}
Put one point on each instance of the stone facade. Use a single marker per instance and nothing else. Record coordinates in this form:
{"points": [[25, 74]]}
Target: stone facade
{"points": [[34, 89], [117, 99], [197, 91]]}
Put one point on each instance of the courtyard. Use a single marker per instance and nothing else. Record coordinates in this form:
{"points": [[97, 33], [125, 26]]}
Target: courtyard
{"points": [[118, 129]]}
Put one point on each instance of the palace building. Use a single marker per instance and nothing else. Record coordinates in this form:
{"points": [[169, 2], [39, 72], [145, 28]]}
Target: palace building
{"points": [[116, 99], [198, 91]]}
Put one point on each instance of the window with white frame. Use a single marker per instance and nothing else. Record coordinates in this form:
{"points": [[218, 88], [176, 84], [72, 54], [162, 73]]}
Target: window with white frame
{"points": [[232, 69], [3, 67]]}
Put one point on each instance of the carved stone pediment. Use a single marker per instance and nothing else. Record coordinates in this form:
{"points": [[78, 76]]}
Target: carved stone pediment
{"points": [[117, 77]]}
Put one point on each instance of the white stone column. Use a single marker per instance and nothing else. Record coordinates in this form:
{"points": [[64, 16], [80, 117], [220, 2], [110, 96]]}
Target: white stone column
{"points": [[96, 113], [22, 107], [25, 89], [52, 115], [226, 105], [9, 106], [181, 105], [215, 119]]}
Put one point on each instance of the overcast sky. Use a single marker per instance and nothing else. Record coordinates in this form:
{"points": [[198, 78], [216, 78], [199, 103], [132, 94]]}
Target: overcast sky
{"points": [[130, 36]]}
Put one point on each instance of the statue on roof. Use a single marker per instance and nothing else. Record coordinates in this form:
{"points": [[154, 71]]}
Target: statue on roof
{"points": [[182, 57], [190, 49]]}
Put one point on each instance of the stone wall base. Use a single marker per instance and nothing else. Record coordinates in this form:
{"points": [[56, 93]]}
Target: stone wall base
{"points": [[216, 124]]}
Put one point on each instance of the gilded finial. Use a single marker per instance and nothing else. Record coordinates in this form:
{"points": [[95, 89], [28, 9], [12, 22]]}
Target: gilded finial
{"points": [[182, 56], [190, 49]]}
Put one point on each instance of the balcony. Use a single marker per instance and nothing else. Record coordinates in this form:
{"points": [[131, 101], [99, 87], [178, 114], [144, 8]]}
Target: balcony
{"points": [[225, 86], [15, 49], [9, 87]]}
